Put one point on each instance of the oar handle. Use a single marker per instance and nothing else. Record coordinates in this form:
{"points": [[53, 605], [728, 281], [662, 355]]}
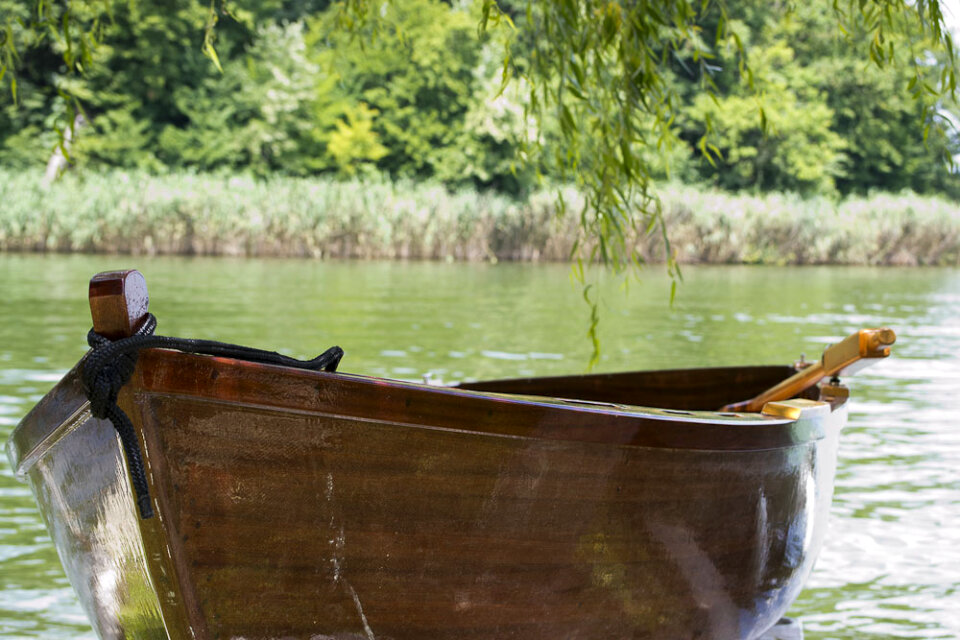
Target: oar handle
{"points": [[848, 356]]}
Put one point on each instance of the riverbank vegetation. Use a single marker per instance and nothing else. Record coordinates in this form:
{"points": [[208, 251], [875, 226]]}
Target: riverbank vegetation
{"points": [[189, 214]]}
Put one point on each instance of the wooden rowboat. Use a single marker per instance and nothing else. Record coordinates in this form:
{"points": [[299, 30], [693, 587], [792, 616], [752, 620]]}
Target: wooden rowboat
{"points": [[289, 503]]}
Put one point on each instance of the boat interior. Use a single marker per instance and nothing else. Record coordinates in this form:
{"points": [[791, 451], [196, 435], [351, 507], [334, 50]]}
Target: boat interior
{"points": [[678, 389]]}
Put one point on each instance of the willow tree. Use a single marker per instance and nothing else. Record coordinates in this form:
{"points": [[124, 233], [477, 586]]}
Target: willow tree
{"points": [[599, 68]]}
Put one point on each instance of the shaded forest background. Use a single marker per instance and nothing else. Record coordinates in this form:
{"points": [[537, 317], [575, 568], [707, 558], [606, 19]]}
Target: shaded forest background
{"points": [[420, 100]]}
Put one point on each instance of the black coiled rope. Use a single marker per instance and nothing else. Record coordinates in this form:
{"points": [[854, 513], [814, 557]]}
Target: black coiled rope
{"points": [[110, 364]]}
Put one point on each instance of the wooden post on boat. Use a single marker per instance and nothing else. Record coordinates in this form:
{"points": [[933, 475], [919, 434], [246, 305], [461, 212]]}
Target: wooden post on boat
{"points": [[848, 356], [118, 302]]}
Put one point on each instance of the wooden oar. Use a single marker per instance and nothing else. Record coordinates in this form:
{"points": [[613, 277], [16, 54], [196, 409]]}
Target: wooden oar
{"points": [[846, 357]]}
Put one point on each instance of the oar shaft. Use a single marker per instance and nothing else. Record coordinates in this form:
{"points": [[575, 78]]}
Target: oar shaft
{"points": [[848, 356], [797, 383]]}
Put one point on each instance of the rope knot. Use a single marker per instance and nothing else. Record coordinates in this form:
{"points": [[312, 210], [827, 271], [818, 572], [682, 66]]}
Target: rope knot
{"points": [[108, 381], [107, 368]]}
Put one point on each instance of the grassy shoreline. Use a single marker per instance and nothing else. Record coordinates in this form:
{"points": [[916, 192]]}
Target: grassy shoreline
{"points": [[187, 214]]}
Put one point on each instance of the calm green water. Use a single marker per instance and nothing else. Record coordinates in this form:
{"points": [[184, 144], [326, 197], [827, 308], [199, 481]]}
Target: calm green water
{"points": [[891, 564]]}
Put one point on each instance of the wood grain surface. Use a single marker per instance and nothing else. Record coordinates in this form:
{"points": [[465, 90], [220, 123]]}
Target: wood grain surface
{"points": [[304, 505]]}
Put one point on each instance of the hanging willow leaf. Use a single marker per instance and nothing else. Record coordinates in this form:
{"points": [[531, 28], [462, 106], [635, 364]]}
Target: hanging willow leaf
{"points": [[209, 36]]}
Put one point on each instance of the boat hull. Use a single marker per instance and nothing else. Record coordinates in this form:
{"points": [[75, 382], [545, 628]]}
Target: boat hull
{"points": [[310, 505]]}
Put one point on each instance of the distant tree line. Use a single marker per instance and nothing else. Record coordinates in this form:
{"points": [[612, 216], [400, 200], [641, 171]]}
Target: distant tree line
{"points": [[420, 98]]}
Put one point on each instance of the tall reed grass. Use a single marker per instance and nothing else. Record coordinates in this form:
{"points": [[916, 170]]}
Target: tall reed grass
{"points": [[132, 212]]}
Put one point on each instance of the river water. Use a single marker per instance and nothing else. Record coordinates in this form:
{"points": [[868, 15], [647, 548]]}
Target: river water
{"points": [[890, 567]]}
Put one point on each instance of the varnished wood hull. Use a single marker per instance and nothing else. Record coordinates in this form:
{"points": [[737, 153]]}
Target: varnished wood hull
{"points": [[312, 505]]}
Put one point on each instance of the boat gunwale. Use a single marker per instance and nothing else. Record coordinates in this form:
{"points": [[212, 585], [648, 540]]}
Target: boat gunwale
{"points": [[621, 425], [22, 463], [49, 421], [60, 411]]}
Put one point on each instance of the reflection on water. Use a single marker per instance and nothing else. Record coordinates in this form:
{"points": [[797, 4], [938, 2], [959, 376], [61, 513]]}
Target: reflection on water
{"points": [[891, 563]]}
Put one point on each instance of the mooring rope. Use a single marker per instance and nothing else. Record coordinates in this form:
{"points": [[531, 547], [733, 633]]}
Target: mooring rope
{"points": [[110, 364]]}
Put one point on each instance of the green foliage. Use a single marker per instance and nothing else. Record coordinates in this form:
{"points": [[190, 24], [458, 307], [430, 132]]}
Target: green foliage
{"points": [[420, 99], [595, 67], [778, 139], [416, 73], [605, 70], [135, 84], [354, 144], [28, 128], [495, 127], [604, 95], [812, 114], [260, 113]]}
